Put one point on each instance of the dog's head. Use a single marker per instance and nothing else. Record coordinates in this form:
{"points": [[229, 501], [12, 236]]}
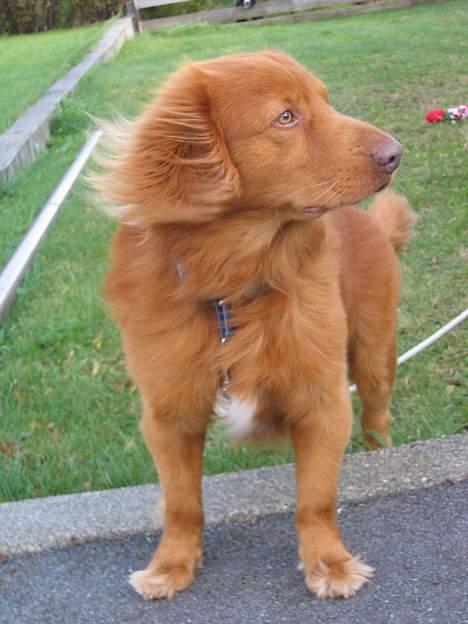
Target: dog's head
{"points": [[245, 132]]}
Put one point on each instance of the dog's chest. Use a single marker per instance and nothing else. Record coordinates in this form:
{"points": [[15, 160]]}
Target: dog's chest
{"points": [[237, 414], [278, 347]]}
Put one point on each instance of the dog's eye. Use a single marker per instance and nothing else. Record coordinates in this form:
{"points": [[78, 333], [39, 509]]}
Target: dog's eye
{"points": [[286, 118]]}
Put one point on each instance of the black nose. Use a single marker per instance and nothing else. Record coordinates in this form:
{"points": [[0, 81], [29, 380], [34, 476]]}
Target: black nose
{"points": [[388, 155]]}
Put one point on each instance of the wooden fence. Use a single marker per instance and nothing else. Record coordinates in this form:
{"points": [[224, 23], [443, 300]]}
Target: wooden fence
{"points": [[273, 11]]}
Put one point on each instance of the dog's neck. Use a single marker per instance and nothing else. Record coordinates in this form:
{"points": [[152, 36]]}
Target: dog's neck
{"points": [[238, 256]]}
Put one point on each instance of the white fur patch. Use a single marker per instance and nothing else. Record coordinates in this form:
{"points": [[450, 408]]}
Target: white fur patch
{"points": [[239, 414]]}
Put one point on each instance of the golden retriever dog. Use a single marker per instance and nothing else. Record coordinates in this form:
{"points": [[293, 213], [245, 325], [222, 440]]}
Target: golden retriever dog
{"points": [[234, 190]]}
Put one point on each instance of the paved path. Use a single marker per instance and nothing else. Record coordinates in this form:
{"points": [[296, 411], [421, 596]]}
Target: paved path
{"points": [[417, 540]]}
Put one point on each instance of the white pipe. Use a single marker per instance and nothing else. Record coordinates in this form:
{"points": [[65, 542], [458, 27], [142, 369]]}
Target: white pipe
{"points": [[16, 267]]}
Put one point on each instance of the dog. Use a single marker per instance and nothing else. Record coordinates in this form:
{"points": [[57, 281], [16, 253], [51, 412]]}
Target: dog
{"points": [[235, 190]]}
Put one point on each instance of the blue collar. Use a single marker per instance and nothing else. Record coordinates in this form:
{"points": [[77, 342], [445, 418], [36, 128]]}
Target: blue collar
{"points": [[223, 316], [222, 309]]}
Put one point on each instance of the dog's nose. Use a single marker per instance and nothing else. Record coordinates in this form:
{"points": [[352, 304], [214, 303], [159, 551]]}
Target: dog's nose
{"points": [[388, 154]]}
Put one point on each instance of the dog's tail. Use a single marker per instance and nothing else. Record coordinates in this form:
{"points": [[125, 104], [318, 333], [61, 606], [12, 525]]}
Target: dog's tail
{"points": [[394, 217]]}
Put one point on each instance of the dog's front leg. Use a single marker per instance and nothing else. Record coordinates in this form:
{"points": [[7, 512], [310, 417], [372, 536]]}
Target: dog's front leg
{"points": [[320, 441], [178, 455]]}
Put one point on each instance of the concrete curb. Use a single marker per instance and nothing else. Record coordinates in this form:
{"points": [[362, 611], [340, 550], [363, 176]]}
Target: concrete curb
{"points": [[34, 525], [20, 144]]}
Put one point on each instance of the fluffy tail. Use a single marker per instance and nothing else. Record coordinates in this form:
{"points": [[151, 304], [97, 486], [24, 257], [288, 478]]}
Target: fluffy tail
{"points": [[394, 217]]}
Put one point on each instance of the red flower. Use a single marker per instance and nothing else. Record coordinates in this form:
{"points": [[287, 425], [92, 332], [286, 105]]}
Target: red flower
{"points": [[435, 116]]}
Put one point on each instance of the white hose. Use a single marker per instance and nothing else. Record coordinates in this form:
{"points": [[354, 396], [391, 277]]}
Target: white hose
{"points": [[427, 342]]}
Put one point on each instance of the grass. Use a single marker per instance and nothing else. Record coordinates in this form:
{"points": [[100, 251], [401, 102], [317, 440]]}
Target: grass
{"points": [[68, 413], [30, 64]]}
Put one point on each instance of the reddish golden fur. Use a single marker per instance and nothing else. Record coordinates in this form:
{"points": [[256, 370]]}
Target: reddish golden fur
{"points": [[205, 180]]}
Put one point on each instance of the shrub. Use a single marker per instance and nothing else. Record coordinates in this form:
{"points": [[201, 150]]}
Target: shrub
{"points": [[26, 16]]}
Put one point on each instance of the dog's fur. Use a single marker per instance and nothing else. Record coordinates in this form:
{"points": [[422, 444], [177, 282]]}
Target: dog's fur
{"points": [[209, 181]]}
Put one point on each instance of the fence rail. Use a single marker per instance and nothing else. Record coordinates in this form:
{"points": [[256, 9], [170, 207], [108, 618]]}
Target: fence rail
{"points": [[13, 273], [279, 11]]}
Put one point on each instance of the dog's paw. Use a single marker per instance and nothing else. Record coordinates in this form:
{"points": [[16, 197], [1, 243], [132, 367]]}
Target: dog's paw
{"points": [[161, 583], [374, 440], [341, 579]]}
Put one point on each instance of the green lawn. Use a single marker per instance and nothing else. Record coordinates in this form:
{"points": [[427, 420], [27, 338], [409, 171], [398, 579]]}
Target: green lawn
{"points": [[68, 414], [30, 64]]}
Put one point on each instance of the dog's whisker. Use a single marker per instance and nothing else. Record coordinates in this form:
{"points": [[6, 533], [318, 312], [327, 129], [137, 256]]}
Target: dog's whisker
{"points": [[337, 195], [311, 186], [336, 192], [326, 191], [301, 188], [278, 219]]}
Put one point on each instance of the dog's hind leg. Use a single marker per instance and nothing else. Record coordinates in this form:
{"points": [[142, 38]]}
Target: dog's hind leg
{"points": [[372, 368]]}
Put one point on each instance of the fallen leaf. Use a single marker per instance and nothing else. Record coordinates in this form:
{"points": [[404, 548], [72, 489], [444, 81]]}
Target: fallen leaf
{"points": [[55, 436], [7, 449], [96, 367], [18, 395], [97, 342]]}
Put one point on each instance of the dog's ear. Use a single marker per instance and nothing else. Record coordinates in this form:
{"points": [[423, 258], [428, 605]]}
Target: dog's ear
{"points": [[171, 164]]}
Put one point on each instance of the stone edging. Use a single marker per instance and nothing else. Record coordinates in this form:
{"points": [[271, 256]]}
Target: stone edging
{"points": [[33, 525], [20, 144]]}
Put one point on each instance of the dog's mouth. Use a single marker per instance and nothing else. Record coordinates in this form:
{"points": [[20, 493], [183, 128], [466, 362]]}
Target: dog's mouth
{"points": [[315, 211]]}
